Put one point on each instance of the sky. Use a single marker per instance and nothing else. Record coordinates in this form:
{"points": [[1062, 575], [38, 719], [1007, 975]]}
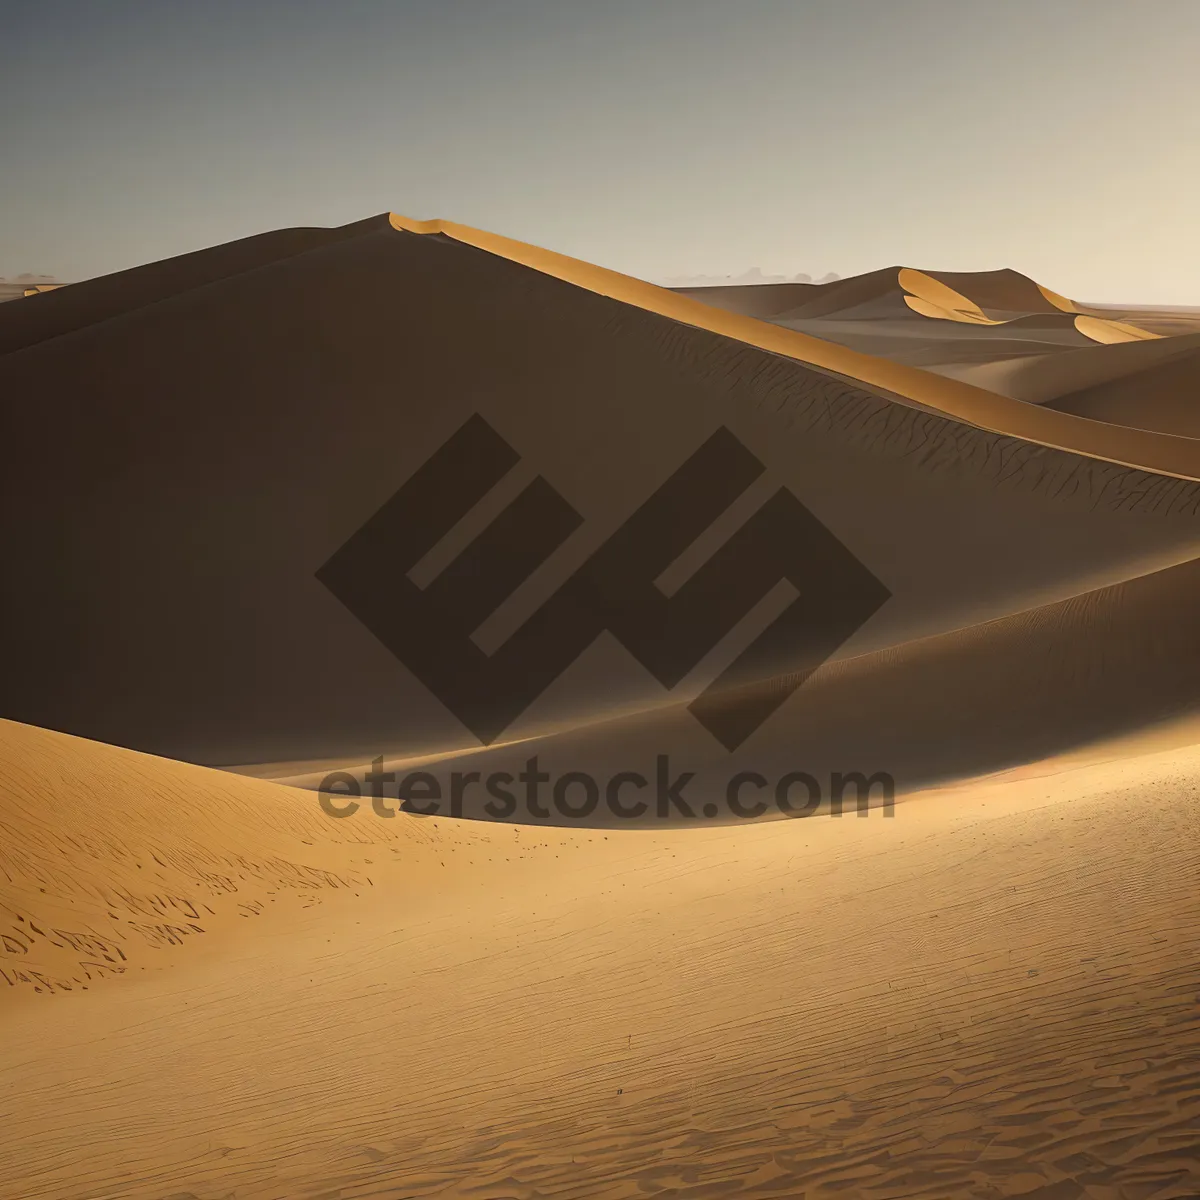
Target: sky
{"points": [[663, 138]]}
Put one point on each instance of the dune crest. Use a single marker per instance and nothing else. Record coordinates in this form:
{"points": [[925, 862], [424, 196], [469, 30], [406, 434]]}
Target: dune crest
{"points": [[1107, 332], [1160, 453], [932, 298]]}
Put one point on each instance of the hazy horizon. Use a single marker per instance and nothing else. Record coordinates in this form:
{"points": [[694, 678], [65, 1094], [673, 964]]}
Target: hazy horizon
{"points": [[669, 141]]}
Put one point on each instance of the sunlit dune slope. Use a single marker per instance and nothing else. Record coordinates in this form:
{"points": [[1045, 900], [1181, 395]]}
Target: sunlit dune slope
{"points": [[109, 857], [214, 448], [992, 992], [932, 297], [115, 863], [999, 293]]}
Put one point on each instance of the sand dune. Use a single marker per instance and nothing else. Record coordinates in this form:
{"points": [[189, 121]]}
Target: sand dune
{"points": [[944, 1003], [999, 293], [1167, 322], [958, 400], [115, 863], [1164, 396], [109, 296], [1111, 332], [773, 300], [1034, 685], [27, 285], [764, 300], [160, 574], [930, 296], [987, 297], [1038, 378], [899, 294], [1002, 333]]}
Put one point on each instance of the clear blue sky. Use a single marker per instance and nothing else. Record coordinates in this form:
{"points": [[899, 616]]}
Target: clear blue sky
{"points": [[660, 137]]}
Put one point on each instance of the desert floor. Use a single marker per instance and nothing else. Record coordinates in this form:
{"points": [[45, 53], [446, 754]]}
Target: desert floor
{"points": [[994, 992]]}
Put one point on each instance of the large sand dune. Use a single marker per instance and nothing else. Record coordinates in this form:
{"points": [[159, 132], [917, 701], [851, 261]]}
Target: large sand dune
{"points": [[991, 994], [213, 449]]}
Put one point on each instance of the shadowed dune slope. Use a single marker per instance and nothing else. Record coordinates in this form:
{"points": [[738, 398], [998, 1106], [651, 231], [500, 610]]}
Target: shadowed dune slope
{"points": [[1009, 691], [1015, 690], [1042, 377], [1164, 396], [66, 309], [215, 448], [992, 993]]}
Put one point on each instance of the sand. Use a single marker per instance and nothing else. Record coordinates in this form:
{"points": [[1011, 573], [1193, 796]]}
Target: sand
{"points": [[1162, 395], [987, 410], [993, 993], [193, 509], [982, 983], [997, 330], [1050, 372]]}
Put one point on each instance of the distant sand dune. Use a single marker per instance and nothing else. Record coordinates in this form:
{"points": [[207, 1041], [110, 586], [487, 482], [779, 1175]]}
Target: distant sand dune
{"points": [[1164, 396], [991, 324], [932, 298], [1167, 322], [1109, 332], [1003, 292], [987, 297], [1038, 378]]}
